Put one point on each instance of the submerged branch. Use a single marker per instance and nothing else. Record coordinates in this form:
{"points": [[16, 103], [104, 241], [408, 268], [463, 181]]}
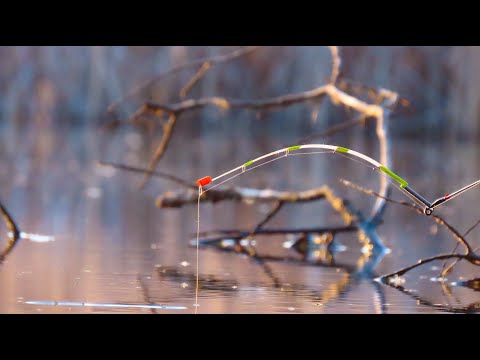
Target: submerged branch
{"points": [[236, 233], [179, 198]]}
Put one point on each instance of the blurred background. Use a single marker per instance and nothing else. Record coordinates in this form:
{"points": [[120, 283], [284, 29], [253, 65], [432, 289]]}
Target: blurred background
{"points": [[111, 240]]}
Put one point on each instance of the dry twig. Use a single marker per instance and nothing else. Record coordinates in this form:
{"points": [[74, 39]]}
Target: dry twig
{"points": [[12, 226]]}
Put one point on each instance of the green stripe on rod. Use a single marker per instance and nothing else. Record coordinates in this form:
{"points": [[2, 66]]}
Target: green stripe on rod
{"points": [[248, 163], [394, 176], [293, 148], [341, 149]]}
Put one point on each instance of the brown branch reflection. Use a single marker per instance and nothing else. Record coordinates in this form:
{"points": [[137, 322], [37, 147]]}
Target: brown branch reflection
{"points": [[317, 254], [363, 271], [463, 309]]}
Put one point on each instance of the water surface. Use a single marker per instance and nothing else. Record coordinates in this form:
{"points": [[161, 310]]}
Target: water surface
{"points": [[112, 245]]}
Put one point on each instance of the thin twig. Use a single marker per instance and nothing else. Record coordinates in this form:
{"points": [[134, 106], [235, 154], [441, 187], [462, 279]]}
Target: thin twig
{"points": [[12, 226], [336, 62], [439, 220], [195, 79], [375, 94], [337, 96], [158, 174], [332, 130], [199, 62], [160, 151], [373, 193], [274, 211], [446, 271], [428, 260]]}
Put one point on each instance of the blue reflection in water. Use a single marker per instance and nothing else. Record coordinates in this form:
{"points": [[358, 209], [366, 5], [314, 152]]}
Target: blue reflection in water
{"points": [[110, 305]]}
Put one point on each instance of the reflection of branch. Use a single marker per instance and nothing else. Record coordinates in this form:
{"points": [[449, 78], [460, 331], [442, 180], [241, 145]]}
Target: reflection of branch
{"points": [[472, 308], [146, 293], [240, 234], [13, 229], [364, 269], [205, 282], [448, 269]]}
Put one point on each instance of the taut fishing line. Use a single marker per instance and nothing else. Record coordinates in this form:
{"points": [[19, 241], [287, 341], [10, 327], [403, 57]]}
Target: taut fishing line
{"points": [[399, 182]]}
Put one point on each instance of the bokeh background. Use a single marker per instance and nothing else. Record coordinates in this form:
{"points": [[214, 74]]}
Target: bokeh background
{"points": [[110, 239]]}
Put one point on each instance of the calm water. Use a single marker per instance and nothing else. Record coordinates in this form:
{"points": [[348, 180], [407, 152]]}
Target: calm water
{"points": [[112, 245]]}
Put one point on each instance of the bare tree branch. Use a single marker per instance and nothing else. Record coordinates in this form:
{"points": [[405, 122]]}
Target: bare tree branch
{"points": [[447, 270]]}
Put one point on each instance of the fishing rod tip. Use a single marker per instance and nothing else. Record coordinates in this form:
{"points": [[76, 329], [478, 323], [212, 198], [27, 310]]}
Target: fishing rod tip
{"points": [[204, 181], [428, 211]]}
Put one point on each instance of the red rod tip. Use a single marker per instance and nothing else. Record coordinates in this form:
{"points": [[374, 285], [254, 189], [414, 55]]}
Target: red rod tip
{"points": [[204, 181], [446, 196]]}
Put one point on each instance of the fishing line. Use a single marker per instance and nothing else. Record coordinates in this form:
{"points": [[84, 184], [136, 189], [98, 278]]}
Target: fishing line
{"points": [[356, 160], [243, 171], [200, 191], [311, 153]]}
